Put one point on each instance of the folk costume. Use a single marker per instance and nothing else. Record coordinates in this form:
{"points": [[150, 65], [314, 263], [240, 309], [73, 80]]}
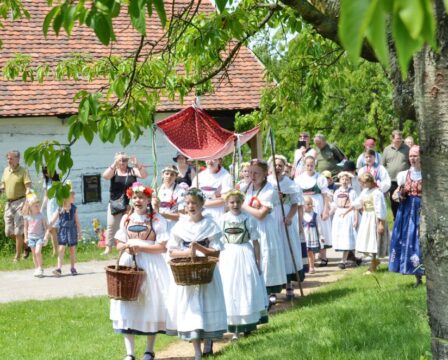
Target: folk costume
{"points": [[405, 254], [380, 175], [171, 201], [312, 231], [147, 315], [271, 241], [244, 290], [316, 186], [343, 233], [196, 311], [372, 202], [292, 194], [212, 184]]}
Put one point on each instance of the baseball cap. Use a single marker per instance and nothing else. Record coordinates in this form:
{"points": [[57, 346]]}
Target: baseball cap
{"points": [[326, 174], [369, 143]]}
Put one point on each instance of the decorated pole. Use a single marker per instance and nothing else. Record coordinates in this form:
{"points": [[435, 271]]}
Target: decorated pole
{"points": [[271, 138]]}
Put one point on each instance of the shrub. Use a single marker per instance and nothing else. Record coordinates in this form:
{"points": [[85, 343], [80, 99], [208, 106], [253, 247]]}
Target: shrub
{"points": [[6, 244]]}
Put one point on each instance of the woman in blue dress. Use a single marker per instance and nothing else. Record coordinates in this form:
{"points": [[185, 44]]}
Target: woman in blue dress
{"points": [[405, 254]]}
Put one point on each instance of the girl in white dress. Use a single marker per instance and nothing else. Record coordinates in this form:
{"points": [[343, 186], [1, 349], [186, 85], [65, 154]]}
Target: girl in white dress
{"points": [[259, 202], [169, 200], [196, 312], [214, 182], [316, 186], [292, 200], [239, 265], [311, 231], [243, 176], [142, 233], [344, 227], [373, 234]]}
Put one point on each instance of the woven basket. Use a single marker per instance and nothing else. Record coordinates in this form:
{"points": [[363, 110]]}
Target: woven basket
{"points": [[124, 282], [193, 270]]}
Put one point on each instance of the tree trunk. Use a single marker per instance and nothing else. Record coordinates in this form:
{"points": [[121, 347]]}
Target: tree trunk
{"points": [[431, 101]]}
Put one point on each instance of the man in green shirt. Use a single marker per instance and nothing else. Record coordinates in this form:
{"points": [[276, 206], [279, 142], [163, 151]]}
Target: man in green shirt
{"points": [[328, 155], [15, 183], [395, 158]]}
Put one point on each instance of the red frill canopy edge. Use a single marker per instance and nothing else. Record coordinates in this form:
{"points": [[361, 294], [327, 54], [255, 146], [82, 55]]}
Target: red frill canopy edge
{"points": [[198, 136]]}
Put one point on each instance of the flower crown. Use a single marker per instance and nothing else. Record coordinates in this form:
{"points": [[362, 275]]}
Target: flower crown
{"points": [[196, 192], [139, 187], [234, 192]]}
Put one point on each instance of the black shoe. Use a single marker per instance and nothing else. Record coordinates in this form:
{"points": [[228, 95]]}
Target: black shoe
{"points": [[210, 352], [129, 357], [148, 355], [323, 262], [418, 281], [342, 265]]}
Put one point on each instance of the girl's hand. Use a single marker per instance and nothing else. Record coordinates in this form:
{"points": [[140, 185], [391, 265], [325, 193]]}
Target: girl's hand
{"points": [[288, 221], [355, 224], [324, 215], [380, 228]]}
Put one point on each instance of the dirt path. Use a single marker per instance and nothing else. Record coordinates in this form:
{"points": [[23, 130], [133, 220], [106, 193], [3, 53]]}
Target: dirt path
{"points": [[182, 350]]}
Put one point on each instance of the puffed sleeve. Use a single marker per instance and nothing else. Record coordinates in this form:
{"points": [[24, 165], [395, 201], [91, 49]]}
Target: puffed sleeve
{"points": [[175, 240], [352, 195], [252, 228], [401, 177], [215, 236], [160, 228], [385, 181], [226, 184], [268, 198], [180, 197], [299, 195], [379, 204], [322, 184], [122, 234], [358, 201]]}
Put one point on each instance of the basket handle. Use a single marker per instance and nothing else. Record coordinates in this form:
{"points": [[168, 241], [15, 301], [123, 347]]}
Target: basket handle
{"points": [[119, 256]]}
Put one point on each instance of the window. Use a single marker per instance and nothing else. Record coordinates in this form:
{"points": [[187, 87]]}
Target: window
{"points": [[91, 188]]}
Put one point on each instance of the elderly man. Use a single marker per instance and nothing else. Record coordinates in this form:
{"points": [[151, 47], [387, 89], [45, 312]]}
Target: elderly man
{"points": [[395, 159], [15, 183], [328, 155]]}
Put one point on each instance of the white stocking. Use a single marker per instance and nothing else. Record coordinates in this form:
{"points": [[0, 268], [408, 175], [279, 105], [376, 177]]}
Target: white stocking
{"points": [[129, 344]]}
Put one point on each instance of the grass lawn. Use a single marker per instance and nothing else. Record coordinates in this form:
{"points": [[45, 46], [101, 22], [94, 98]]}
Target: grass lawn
{"points": [[63, 329], [360, 317], [356, 318], [84, 252]]}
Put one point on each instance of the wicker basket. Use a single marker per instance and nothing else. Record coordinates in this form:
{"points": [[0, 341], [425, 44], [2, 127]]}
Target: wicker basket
{"points": [[124, 282], [193, 270]]}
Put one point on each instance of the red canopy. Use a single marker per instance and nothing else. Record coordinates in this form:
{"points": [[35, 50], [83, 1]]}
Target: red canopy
{"points": [[198, 136]]}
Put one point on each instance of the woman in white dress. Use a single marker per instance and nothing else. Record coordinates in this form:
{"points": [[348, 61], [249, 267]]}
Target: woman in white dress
{"points": [[170, 195], [373, 234], [292, 200], [142, 233], [316, 186], [196, 312], [214, 182], [239, 265], [344, 227], [260, 200]]}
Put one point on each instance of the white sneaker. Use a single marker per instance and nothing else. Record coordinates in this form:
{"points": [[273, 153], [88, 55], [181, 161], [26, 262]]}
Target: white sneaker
{"points": [[36, 272], [41, 273]]}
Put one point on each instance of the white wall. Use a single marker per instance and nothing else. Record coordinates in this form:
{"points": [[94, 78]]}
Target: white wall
{"points": [[20, 133]]}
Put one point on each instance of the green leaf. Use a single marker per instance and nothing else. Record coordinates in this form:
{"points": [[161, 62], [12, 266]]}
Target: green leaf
{"points": [[406, 46], [48, 18], [445, 2], [88, 134], [84, 108], [376, 34], [411, 14], [125, 137], [355, 16], [134, 8], [69, 19], [102, 28], [140, 22], [221, 5], [160, 8], [57, 23]]}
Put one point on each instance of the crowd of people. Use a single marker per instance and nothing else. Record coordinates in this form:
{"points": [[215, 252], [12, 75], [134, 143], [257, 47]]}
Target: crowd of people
{"points": [[268, 230]]}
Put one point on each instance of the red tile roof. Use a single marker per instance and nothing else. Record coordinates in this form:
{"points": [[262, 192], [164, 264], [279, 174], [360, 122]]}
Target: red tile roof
{"points": [[242, 90]]}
